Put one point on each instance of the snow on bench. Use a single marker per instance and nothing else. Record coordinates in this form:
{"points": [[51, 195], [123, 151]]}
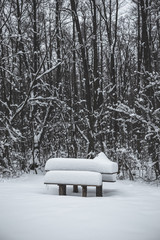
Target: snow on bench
{"points": [[100, 164], [82, 178]]}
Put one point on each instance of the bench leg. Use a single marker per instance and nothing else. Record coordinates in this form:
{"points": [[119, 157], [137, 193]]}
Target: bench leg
{"points": [[62, 189], [99, 191], [75, 188], [84, 191]]}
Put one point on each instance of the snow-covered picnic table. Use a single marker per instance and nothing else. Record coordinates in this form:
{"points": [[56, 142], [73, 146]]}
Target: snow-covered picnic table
{"points": [[76, 171], [100, 164]]}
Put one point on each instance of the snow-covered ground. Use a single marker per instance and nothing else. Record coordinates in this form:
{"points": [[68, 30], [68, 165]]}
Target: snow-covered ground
{"points": [[31, 211]]}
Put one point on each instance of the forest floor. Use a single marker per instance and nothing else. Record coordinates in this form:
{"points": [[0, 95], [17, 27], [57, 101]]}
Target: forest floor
{"points": [[31, 211]]}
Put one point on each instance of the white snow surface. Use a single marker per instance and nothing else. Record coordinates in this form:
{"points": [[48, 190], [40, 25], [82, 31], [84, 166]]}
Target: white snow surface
{"points": [[74, 177], [75, 164], [31, 211], [102, 157], [99, 164]]}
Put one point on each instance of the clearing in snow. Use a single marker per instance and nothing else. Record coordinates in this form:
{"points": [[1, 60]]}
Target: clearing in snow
{"points": [[31, 211]]}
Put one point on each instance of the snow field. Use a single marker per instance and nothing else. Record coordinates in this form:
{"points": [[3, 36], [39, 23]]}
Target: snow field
{"points": [[31, 211]]}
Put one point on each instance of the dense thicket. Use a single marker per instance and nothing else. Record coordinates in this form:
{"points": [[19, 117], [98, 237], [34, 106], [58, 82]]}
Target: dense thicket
{"points": [[77, 78]]}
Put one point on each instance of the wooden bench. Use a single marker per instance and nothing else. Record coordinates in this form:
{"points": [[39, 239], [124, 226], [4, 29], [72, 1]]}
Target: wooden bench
{"points": [[79, 178]]}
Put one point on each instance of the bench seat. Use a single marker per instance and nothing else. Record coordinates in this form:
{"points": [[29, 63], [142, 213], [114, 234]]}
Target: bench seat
{"points": [[82, 178]]}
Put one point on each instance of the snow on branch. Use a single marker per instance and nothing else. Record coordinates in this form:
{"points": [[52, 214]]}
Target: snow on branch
{"points": [[10, 73], [122, 108], [6, 106], [142, 107], [48, 71], [14, 133], [22, 105], [83, 135], [38, 136]]}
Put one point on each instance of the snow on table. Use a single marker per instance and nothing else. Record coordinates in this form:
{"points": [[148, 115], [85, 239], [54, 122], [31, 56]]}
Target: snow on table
{"points": [[74, 164], [73, 177], [98, 164], [109, 177]]}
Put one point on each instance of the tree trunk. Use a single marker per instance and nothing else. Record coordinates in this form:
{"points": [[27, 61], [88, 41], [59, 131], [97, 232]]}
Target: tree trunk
{"points": [[87, 80], [145, 39], [58, 72]]}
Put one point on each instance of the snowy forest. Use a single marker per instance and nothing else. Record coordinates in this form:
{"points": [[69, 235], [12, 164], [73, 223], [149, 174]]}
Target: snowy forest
{"points": [[78, 78]]}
